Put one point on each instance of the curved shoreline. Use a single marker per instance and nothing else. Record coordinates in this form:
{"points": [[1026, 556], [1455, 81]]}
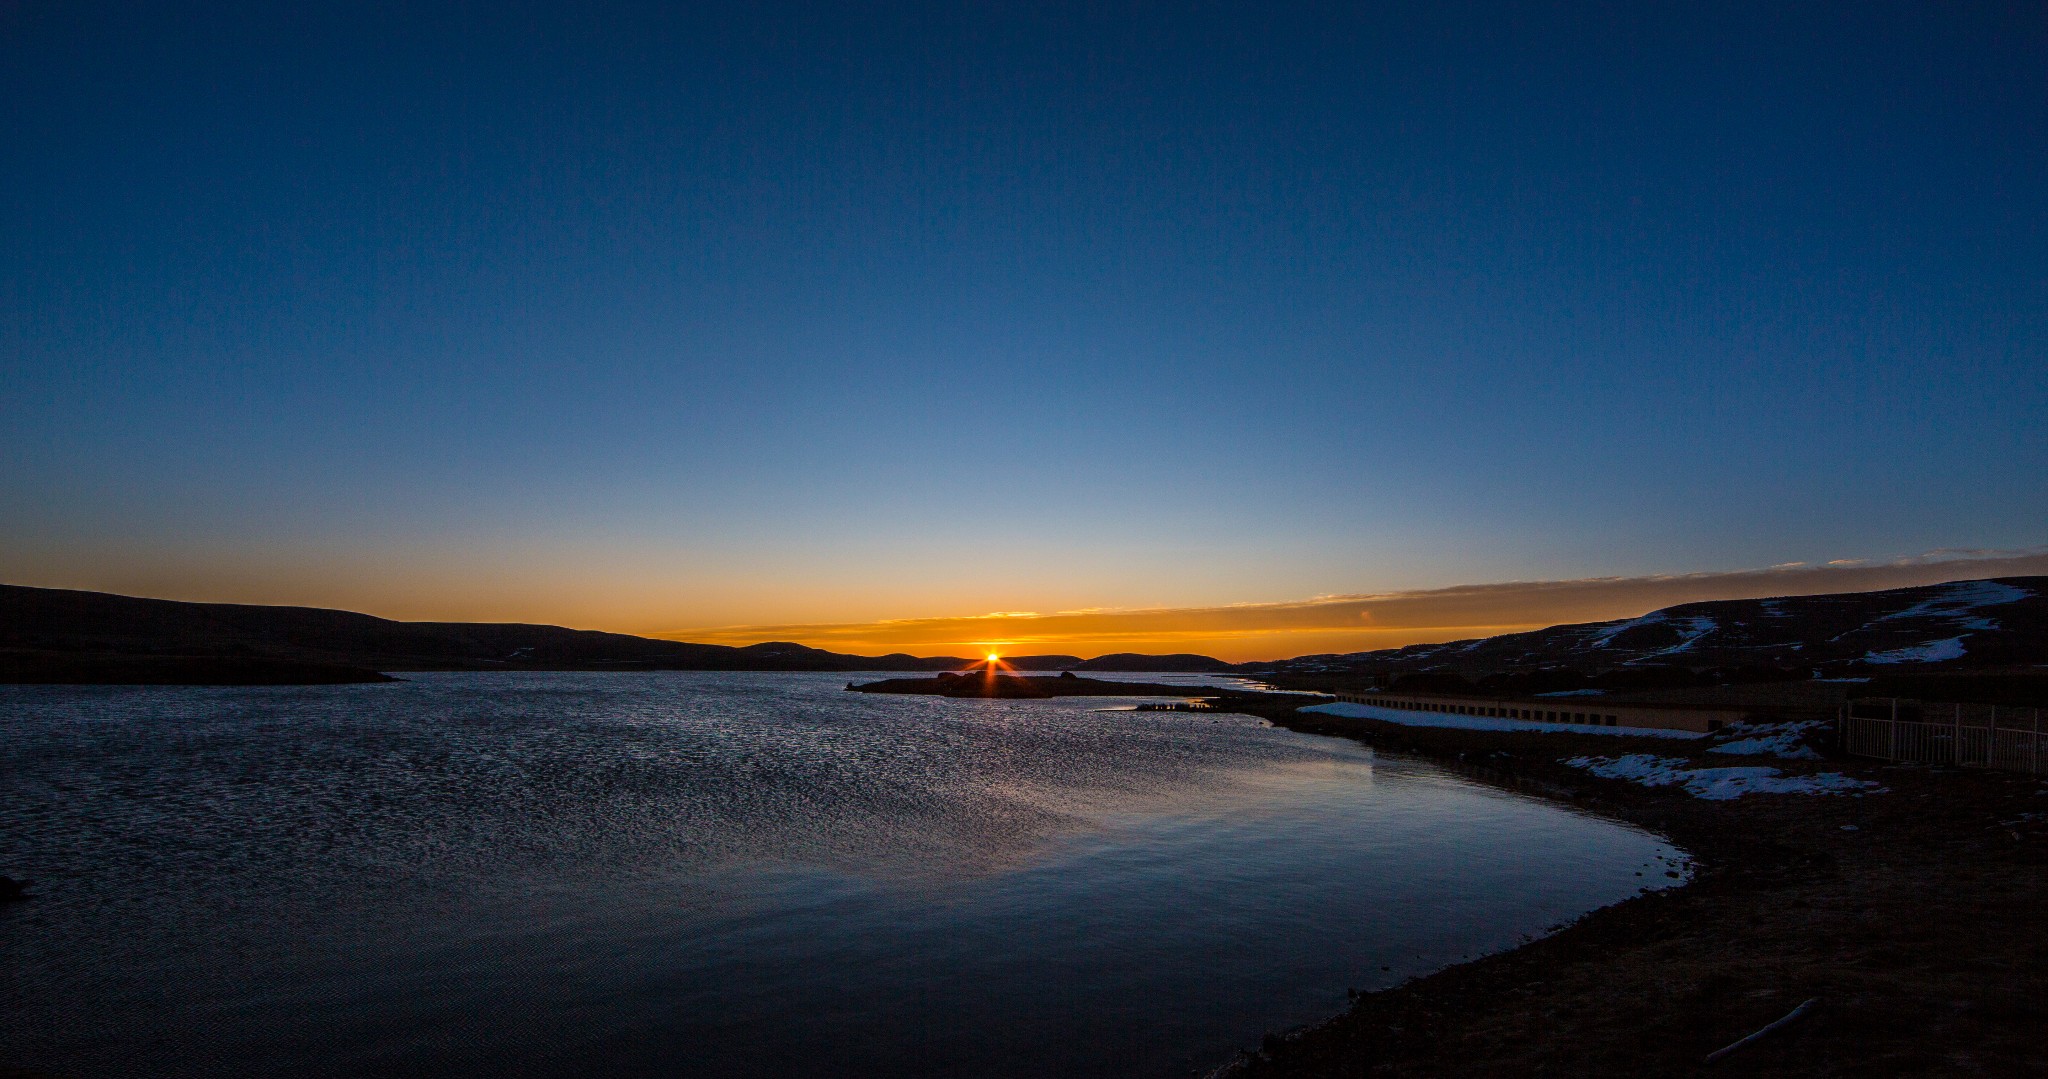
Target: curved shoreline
{"points": [[1911, 913]]}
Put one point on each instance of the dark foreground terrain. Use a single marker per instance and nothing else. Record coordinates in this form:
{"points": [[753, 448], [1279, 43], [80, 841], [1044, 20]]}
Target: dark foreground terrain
{"points": [[1918, 917]]}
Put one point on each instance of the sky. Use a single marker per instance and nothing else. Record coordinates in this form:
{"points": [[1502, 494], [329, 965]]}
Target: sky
{"points": [[858, 323]]}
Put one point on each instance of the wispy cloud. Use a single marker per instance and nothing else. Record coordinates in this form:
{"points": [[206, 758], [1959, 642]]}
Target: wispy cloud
{"points": [[1375, 620]]}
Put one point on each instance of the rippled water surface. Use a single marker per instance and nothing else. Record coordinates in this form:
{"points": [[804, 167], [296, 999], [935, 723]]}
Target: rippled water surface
{"points": [[725, 874]]}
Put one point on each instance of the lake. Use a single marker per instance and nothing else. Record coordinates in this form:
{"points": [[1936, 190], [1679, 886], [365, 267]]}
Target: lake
{"points": [[686, 873]]}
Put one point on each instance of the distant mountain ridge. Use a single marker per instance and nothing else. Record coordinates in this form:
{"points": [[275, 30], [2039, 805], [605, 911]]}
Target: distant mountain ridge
{"points": [[55, 622], [1996, 622], [1962, 624]]}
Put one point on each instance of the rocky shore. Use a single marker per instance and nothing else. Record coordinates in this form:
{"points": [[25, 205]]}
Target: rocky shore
{"points": [[1909, 909]]}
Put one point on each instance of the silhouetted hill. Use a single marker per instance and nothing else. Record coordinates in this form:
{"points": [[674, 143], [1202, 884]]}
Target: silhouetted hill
{"points": [[59, 620], [1043, 663], [2001, 622], [43, 625], [1184, 662]]}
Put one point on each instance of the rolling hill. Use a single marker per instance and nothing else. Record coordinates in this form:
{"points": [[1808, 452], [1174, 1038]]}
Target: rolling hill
{"points": [[2000, 622], [52, 630], [69, 635]]}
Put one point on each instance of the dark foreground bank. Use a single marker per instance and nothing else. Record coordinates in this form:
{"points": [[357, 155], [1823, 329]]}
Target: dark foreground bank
{"points": [[1913, 915]]}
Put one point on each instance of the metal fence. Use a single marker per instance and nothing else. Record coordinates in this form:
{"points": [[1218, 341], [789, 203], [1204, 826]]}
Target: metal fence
{"points": [[1972, 735]]}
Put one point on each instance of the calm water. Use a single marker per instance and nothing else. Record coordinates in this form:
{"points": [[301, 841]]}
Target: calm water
{"points": [[725, 874]]}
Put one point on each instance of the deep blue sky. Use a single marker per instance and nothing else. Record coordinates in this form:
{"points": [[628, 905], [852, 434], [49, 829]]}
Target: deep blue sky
{"points": [[643, 317]]}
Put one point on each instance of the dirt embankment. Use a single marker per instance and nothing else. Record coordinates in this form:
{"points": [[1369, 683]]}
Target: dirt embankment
{"points": [[1918, 917]]}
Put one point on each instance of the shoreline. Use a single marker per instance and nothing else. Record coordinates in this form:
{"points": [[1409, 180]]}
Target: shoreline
{"points": [[1911, 913]]}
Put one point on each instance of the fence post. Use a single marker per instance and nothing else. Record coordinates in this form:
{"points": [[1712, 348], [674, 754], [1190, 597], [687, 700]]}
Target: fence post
{"points": [[1895, 728], [1991, 736], [1955, 742]]}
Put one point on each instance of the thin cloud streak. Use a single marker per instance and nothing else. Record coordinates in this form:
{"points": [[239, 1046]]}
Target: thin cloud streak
{"points": [[1368, 621]]}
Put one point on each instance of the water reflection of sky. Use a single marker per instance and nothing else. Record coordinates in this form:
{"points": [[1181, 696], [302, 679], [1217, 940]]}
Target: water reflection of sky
{"points": [[759, 874]]}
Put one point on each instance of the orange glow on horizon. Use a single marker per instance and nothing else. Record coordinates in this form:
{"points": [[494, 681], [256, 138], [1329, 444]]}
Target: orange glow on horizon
{"points": [[1351, 623], [617, 596]]}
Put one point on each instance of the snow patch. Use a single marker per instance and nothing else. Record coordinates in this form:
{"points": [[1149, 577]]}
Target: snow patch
{"points": [[1483, 723], [1931, 652], [1691, 628], [1958, 601], [1716, 784], [1601, 638], [1770, 740], [1695, 628]]}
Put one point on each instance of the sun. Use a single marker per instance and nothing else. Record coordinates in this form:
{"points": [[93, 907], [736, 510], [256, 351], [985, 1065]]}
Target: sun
{"points": [[992, 657]]}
